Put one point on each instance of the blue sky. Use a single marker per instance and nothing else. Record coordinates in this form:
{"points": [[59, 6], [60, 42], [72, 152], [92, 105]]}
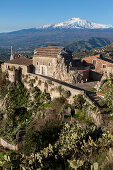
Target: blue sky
{"points": [[19, 14]]}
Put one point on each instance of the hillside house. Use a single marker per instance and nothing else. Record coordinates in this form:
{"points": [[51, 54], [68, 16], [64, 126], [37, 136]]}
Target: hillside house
{"points": [[98, 63]]}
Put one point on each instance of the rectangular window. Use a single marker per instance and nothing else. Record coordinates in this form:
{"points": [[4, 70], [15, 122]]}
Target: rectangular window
{"points": [[94, 62], [103, 66]]}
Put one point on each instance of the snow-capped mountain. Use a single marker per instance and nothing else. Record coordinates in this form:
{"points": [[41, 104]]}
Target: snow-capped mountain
{"points": [[67, 31], [77, 23]]}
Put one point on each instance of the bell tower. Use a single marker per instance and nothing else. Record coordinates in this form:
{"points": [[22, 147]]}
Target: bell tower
{"points": [[12, 55]]}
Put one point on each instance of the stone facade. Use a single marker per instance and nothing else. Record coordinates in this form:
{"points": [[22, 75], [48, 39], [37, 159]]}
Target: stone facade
{"points": [[48, 60], [16, 67], [45, 67], [57, 63]]}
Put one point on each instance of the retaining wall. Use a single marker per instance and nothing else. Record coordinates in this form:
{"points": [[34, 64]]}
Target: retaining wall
{"points": [[96, 117], [50, 85]]}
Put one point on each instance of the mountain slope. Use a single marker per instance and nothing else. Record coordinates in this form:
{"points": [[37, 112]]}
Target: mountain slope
{"points": [[35, 37]]}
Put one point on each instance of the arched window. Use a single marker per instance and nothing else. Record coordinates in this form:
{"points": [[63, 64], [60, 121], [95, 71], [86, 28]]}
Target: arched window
{"points": [[37, 63]]}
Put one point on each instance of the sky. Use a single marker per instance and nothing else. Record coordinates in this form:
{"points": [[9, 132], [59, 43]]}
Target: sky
{"points": [[21, 14]]}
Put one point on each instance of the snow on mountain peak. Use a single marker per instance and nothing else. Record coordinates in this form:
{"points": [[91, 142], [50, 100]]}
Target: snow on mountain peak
{"points": [[46, 26], [78, 23]]}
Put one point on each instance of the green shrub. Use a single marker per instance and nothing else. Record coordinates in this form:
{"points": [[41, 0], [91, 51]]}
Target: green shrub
{"points": [[82, 115], [32, 81], [10, 160], [36, 140], [66, 93], [60, 89], [60, 100], [39, 82]]}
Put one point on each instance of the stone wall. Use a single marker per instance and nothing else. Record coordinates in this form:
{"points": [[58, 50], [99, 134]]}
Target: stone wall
{"points": [[11, 67], [15, 71], [97, 117], [78, 76], [110, 70], [51, 86]]}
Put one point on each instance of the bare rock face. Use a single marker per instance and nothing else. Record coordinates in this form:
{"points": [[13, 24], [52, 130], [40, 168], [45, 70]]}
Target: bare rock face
{"points": [[104, 77], [75, 77], [64, 73], [61, 69]]}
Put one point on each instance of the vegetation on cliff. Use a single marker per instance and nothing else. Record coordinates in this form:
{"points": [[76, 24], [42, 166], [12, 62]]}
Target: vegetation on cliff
{"points": [[51, 134], [106, 88]]}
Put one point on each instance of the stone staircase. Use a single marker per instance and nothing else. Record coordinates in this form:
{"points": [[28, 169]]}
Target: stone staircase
{"points": [[104, 113], [96, 99]]}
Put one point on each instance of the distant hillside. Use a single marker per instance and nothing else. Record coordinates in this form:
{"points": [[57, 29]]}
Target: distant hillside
{"points": [[87, 44], [105, 51], [79, 48]]}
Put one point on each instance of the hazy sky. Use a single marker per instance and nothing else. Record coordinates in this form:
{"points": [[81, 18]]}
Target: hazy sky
{"points": [[19, 14]]}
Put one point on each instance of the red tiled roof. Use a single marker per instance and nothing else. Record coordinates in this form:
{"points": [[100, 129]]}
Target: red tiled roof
{"points": [[21, 61], [93, 56], [50, 51]]}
